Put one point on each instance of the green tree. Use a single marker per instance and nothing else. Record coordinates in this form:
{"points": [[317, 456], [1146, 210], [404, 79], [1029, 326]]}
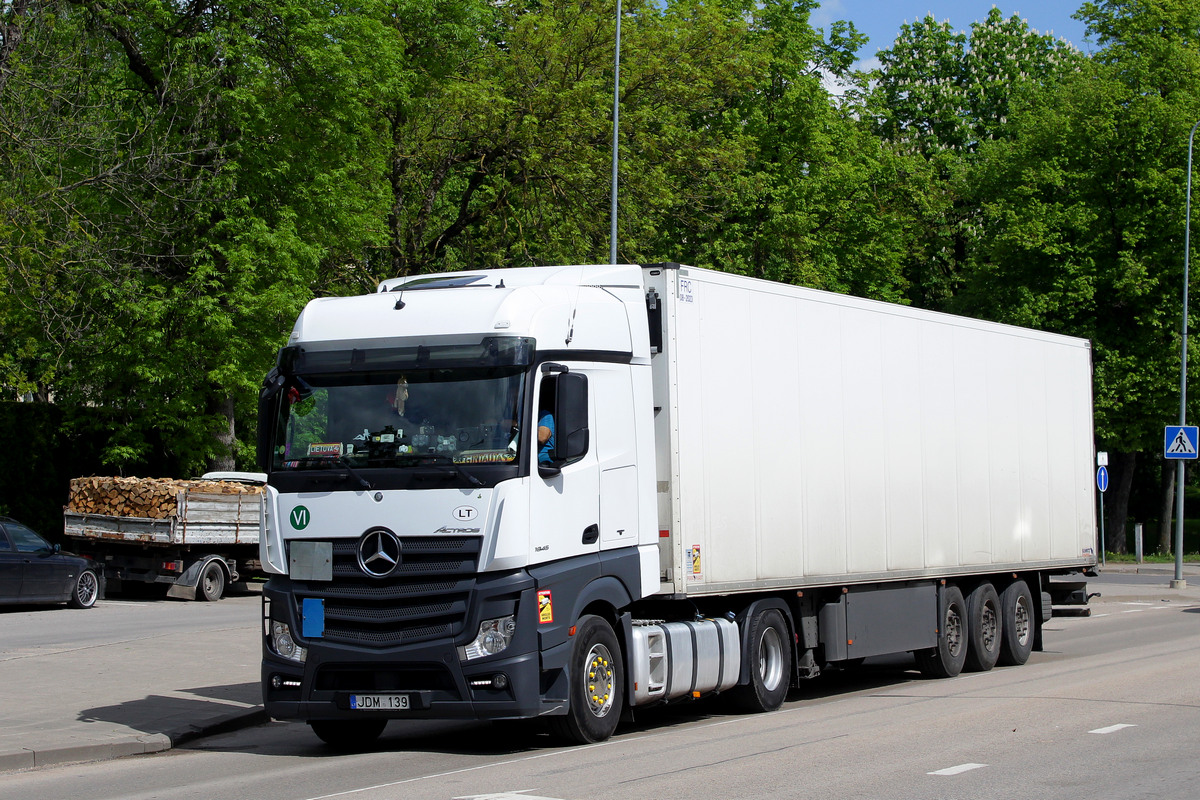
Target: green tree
{"points": [[1083, 219], [175, 174], [939, 94]]}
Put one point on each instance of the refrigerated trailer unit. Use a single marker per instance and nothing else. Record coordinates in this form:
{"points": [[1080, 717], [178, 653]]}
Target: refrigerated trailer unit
{"points": [[745, 483]]}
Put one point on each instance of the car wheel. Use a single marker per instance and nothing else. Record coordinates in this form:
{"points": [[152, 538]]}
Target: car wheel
{"points": [[86, 590]]}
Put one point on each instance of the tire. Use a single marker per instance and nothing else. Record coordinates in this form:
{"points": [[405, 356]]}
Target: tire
{"points": [[211, 586], [86, 590], [983, 628], [1018, 624], [348, 735], [947, 659], [769, 657], [596, 679]]}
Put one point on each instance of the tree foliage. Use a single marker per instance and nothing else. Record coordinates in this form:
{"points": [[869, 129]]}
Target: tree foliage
{"points": [[178, 177]]}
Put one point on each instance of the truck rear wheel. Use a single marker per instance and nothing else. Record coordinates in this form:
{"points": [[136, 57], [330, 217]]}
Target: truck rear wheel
{"points": [[1016, 611], [212, 582], [770, 662], [348, 734], [596, 680], [983, 628], [947, 659]]}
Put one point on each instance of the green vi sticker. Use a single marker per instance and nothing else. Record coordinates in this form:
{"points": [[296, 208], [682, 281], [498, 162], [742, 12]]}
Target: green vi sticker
{"points": [[300, 518]]}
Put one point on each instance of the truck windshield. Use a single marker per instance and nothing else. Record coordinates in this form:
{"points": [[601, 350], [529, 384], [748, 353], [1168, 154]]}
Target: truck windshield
{"points": [[400, 419]]}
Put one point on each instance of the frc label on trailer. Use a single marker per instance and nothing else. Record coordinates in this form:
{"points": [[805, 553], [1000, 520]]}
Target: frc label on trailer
{"points": [[545, 607]]}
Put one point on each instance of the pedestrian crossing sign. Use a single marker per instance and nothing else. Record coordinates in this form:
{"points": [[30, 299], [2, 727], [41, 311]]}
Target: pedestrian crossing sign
{"points": [[1180, 441]]}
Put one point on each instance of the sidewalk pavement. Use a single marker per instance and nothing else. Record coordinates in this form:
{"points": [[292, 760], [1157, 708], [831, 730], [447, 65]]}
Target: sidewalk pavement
{"points": [[151, 694], [104, 700]]}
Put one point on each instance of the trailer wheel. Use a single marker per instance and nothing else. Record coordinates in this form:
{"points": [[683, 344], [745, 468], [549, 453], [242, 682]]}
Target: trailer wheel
{"points": [[770, 661], [947, 659], [348, 735], [1017, 622], [983, 628], [596, 680], [86, 590], [212, 582]]}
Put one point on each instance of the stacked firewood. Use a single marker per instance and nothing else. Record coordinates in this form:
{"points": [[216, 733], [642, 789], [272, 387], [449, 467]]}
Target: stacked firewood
{"points": [[153, 498]]}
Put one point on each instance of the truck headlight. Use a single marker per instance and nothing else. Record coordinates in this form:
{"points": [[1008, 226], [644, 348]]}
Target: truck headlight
{"points": [[283, 645], [494, 637]]}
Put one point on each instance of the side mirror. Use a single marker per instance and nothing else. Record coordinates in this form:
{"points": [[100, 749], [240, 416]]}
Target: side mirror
{"points": [[268, 410], [571, 437]]}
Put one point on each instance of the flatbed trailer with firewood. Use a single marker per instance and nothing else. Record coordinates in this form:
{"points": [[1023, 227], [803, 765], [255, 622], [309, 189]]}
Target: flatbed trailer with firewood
{"points": [[198, 536]]}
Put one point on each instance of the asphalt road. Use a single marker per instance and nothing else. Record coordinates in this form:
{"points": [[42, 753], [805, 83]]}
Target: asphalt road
{"points": [[1111, 709]]}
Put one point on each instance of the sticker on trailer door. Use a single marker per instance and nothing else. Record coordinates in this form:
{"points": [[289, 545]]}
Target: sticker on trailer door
{"points": [[697, 571], [545, 607]]}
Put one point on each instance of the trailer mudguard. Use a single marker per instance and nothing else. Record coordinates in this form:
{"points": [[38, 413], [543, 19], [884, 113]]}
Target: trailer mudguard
{"points": [[184, 586]]}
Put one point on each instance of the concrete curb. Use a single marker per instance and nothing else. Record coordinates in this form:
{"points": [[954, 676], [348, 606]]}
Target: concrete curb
{"points": [[129, 745]]}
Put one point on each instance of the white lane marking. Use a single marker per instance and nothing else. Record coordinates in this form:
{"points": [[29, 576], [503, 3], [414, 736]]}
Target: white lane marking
{"points": [[961, 768], [518, 794], [1113, 728]]}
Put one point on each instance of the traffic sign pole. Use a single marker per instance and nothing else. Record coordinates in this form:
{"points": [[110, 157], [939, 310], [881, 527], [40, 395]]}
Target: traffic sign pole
{"points": [[1180, 442], [1102, 485]]}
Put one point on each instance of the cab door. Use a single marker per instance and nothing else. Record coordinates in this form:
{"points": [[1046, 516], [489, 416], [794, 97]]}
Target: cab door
{"points": [[564, 491]]}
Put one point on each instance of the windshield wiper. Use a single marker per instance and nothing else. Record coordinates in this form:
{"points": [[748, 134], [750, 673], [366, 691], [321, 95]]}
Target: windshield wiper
{"points": [[439, 460], [329, 462], [363, 482]]}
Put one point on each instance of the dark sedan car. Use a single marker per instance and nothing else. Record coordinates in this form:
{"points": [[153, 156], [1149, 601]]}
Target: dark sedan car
{"points": [[34, 571]]}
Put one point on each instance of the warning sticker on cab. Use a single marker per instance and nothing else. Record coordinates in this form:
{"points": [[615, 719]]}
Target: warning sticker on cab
{"points": [[545, 607]]}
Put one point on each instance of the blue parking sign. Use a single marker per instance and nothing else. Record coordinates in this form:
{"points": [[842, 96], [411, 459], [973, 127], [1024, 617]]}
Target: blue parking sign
{"points": [[1180, 441]]}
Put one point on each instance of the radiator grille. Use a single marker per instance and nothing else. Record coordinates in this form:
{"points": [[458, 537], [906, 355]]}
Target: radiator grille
{"points": [[425, 597]]}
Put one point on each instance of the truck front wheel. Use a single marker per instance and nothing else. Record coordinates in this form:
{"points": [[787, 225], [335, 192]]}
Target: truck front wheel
{"points": [[212, 582], [596, 679], [947, 659]]}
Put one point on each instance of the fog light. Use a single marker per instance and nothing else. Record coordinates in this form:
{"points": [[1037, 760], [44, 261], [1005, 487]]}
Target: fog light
{"points": [[280, 682], [494, 637], [499, 681]]}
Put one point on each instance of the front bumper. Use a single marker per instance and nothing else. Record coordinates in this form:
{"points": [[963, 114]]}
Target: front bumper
{"points": [[438, 685]]}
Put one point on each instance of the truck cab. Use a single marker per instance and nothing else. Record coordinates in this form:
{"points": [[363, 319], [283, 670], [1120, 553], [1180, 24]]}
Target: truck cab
{"points": [[419, 534]]}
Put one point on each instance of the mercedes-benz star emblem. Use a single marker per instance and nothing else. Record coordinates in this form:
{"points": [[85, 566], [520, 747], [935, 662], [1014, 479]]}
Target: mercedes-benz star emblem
{"points": [[379, 552]]}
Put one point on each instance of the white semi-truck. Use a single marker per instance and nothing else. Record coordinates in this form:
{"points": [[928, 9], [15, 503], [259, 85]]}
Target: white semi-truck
{"points": [[565, 492]]}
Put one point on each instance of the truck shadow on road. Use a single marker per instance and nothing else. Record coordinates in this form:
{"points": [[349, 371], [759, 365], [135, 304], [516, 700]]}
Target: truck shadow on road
{"points": [[205, 709], [510, 738]]}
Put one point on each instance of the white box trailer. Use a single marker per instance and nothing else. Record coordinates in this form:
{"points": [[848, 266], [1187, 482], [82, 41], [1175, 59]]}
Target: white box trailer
{"points": [[743, 483], [806, 437]]}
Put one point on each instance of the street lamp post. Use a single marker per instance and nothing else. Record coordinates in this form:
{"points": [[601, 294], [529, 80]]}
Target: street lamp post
{"points": [[1187, 231], [612, 234]]}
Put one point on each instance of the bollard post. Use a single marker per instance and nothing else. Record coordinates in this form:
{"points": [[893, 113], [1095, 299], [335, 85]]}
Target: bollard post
{"points": [[1137, 540]]}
